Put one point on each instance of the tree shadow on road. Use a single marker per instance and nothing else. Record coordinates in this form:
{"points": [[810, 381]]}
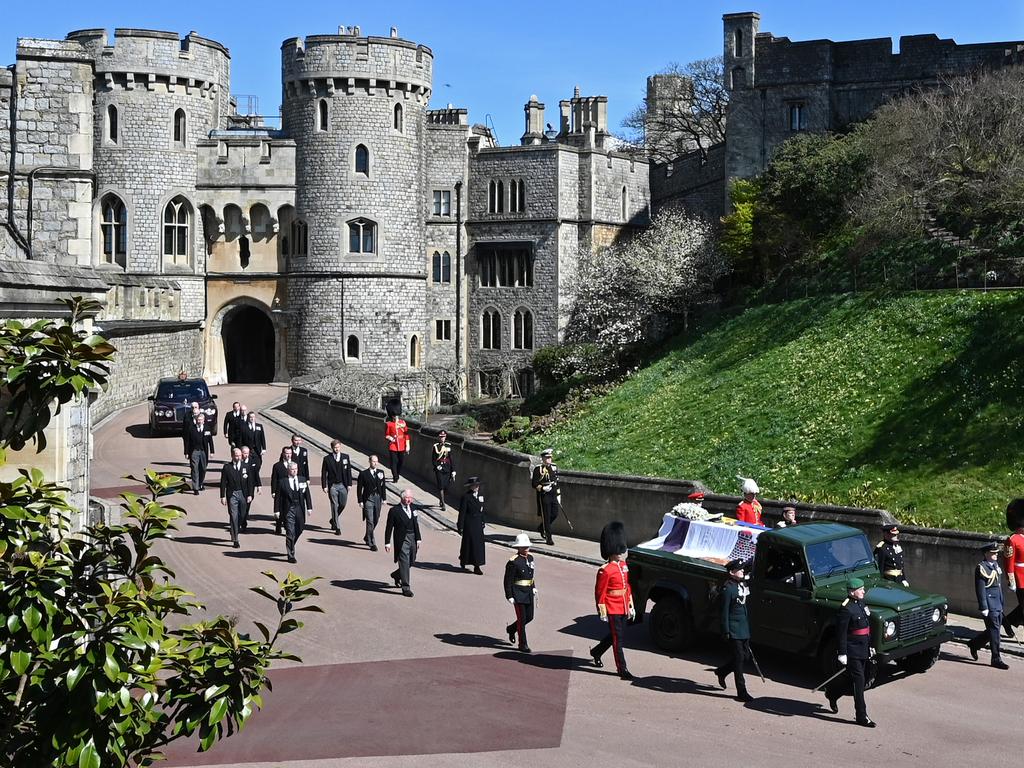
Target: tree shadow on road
{"points": [[365, 585], [468, 640]]}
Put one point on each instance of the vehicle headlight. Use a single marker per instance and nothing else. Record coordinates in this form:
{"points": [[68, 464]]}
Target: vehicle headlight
{"points": [[209, 411], [936, 616], [890, 629]]}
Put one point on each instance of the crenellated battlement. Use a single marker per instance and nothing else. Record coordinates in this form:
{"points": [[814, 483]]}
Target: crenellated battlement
{"points": [[155, 55]]}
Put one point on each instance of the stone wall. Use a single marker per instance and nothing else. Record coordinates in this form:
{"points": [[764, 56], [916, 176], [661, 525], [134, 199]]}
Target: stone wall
{"points": [[694, 182], [937, 561]]}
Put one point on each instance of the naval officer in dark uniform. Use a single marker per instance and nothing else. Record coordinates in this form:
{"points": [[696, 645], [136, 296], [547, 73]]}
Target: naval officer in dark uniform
{"points": [[988, 585], [735, 628], [545, 483], [520, 590], [889, 556], [444, 465], [853, 633]]}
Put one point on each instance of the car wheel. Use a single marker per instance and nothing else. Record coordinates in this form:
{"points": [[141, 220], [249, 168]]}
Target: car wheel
{"points": [[919, 662], [671, 624]]}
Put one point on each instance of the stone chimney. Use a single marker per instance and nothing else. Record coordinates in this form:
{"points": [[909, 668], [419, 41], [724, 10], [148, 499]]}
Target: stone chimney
{"points": [[534, 133]]}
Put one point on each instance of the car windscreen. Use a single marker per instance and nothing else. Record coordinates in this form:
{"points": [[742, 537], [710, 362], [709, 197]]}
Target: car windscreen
{"points": [[849, 553], [182, 391]]}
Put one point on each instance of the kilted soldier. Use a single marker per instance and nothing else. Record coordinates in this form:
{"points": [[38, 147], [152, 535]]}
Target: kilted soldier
{"points": [[396, 433], [336, 479], [198, 447], [735, 628], [520, 590], [545, 483], [444, 466], [253, 463], [614, 596], [853, 633], [988, 584], [889, 556], [1013, 553], [296, 503], [371, 488], [470, 525], [278, 473], [236, 490], [404, 525]]}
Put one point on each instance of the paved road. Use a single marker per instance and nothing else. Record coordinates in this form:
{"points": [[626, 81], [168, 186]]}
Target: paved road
{"points": [[388, 680]]}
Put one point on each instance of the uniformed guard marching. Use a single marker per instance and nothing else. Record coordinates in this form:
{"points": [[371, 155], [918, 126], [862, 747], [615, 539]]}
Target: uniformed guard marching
{"points": [[250, 433], [889, 556], [371, 488], [735, 628], [396, 433], [520, 590], [1013, 554], [614, 596], [198, 448], [278, 473], [336, 479], [444, 465], [403, 526], [853, 635], [296, 503], [545, 483], [749, 510], [470, 525], [236, 490], [253, 463], [989, 586]]}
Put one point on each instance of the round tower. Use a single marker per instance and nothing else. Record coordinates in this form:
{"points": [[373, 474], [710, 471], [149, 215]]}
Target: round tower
{"points": [[355, 107], [156, 95]]}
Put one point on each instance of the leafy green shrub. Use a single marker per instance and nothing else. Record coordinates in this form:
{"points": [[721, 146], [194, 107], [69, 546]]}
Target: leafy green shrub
{"points": [[465, 424], [512, 429]]}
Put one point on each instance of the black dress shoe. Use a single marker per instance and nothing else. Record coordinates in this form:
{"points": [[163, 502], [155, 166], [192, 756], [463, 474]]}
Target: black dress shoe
{"points": [[867, 722], [477, 571], [407, 592], [626, 675], [397, 580], [337, 531], [195, 493], [511, 633], [1007, 628], [373, 547], [291, 559], [973, 650], [549, 542], [525, 649], [597, 659], [745, 697], [234, 544], [1000, 664], [833, 705], [721, 679]]}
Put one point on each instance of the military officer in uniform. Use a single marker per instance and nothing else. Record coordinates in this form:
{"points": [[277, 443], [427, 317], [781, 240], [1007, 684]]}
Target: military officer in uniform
{"points": [[853, 634], [371, 488], [889, 556], [444, 466], [250, 433], [470, 525], [989, 586], [278, 473], [296, 503], [614, 596], [336, 479], [198, 448], [404, 525], [253, 464], [735, 628], [396, 433], [545, 483], [749, 510], [236, 490], [520, 590], [1014, 563]]}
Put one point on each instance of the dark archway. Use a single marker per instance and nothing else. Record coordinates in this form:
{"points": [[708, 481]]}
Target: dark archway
{"points": [[248, 336]]}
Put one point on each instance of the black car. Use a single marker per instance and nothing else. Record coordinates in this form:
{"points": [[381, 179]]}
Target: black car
{"points": [[173, 399]]}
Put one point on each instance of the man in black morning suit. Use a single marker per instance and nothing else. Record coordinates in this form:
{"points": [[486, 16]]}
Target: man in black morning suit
{"points": [[198, 447], [278, 473], [336, 479], [300, 456], [249, 433], [404, 524], [370, 492], [236, 490], [295, 500], [254, 462]]}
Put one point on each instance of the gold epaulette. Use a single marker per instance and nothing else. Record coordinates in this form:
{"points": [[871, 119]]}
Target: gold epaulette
{"points": [[513, 557], [879, 545], [846, 601]]}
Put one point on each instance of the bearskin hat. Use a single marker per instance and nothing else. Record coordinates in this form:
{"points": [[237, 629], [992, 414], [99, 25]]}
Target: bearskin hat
{"points": [[393, 407], [613, 540], [1015, 514]]}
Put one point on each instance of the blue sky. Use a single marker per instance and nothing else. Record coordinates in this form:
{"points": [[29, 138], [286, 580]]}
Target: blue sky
{"points": [[490, 57]]}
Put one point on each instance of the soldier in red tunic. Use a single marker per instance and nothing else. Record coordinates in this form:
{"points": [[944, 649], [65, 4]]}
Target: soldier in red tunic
{"points": [[1013, 553], [613, 596], [749, 510], [396, 432]]}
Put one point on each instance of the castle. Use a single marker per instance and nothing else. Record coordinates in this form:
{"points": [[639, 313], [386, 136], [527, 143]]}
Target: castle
{"points": [[368, 230]]}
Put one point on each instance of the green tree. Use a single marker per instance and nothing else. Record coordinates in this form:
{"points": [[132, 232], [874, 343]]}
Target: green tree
{"points": [[98, 665]]}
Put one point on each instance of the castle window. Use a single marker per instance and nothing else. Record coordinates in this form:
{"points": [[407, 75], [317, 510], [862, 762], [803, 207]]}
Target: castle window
{"points": [[114, 228], [298, 244], [526, 382], [505, 267], [179, 127], [362, 236], [177, 227], [442, 267], [442, 330], [737, 42], [442, 202], [798, 116], [259, 222], [321, 115], [398, 118], [496, 197], [233, 227], [522, 329], [625, 204], [352, 347], [516, 196], [362, 160], [490, 329], [113, 129], [414, 352]]}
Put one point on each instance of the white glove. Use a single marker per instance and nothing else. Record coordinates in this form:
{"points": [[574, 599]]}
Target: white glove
{"points": [[1013, 582], [604, 618], [985, 613], [512, 601], [842, 659], [871, 653], [453, 474], [632, 615], [535, 590], [906, 583]]}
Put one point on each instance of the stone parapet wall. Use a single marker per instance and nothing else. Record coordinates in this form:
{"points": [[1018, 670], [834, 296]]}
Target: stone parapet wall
{"points": [[695, 182]]}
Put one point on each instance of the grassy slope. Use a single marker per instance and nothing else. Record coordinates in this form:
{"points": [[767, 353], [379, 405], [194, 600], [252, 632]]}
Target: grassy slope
{"points": [[911, 402]]}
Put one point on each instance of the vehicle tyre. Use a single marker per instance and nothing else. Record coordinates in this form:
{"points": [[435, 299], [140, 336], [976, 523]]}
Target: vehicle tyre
{"points": [[671, 624], [919, 662]]}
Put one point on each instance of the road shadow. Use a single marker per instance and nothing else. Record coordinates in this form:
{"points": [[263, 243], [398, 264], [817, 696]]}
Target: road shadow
{"points": [[772, 705], [591, 628], [662, 684], [366, 585], [547, 660], [202, 540], [142, 431], [337, 541], [255, 554], [468, 640], [209, 524], [447, 567]]}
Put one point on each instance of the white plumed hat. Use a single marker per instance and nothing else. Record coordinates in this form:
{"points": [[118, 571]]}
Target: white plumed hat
{"points": [[749, 486]]}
